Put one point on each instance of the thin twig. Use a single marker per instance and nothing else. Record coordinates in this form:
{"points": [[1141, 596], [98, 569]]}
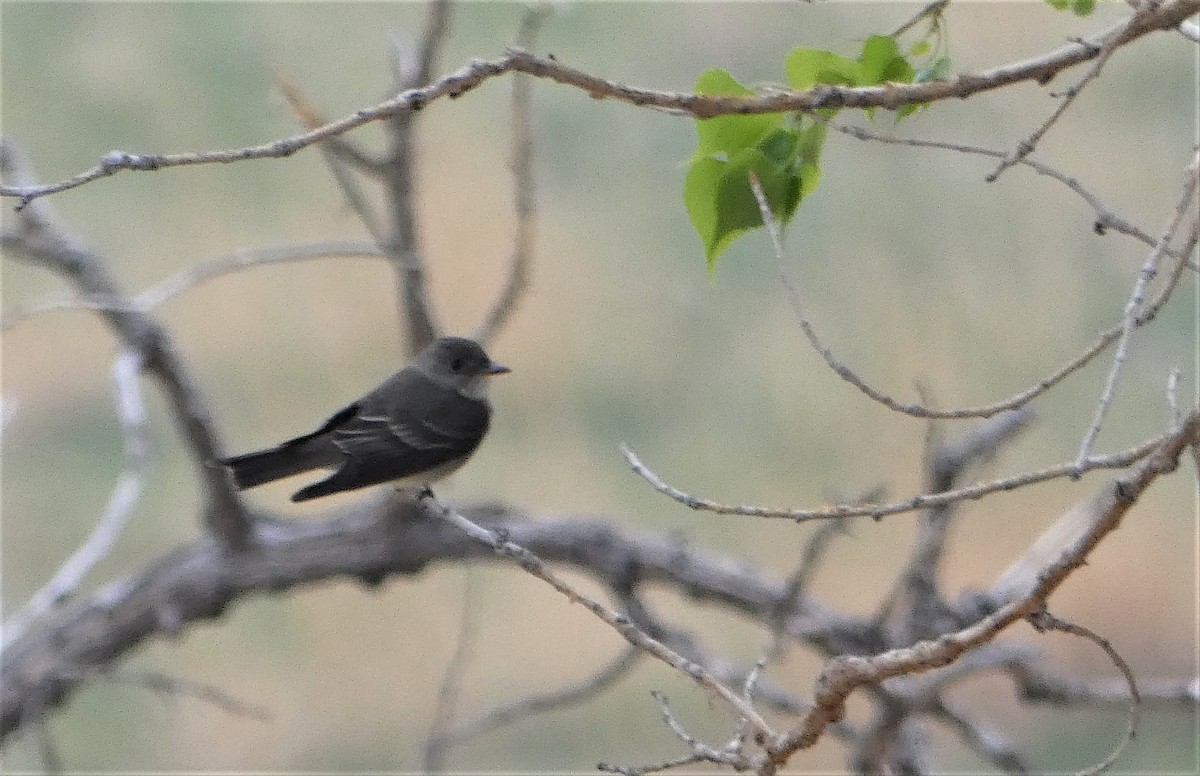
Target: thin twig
{"points": [[1027, 146], [437, 29], [452, 677], [1022, 398], [176, 687], [198, 273], [797, 583], [792, 286], [125, 496], [1042, 620], [1104, 217], [991, 745], [1134, 305], [524, 195], [339, 157], [49, 242], [8, 411], [529, 706], [52, 760], [917, 585], [241, 259], [1173, 413], [700, 750], [844, 674], [933, 9], [641, 770], [402, 240], [621, 624], [971, 492], [1167, 15]]}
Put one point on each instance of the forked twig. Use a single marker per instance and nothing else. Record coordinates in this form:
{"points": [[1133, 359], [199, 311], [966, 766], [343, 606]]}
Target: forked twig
{"points": [[618, 622]]}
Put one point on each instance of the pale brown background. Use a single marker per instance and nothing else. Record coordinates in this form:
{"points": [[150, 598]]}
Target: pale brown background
{"points": [[912, 266]]}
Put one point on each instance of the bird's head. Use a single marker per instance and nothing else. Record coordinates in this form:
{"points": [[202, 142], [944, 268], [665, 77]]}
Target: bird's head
{"points": [[459, 363]]}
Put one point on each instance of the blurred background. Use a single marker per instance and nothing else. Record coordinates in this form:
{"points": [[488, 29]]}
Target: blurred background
{"points": [[912, 267]]}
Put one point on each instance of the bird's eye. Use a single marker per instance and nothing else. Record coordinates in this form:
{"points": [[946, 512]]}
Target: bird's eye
{"points": [[456, 365]]}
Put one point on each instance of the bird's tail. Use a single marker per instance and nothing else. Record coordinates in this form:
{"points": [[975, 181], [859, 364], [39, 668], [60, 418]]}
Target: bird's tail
{"points": [[269, 465]]}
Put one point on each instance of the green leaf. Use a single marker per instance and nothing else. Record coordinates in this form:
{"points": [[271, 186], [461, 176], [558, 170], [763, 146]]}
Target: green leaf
{"points": [[1083, 7], [729, 134], [807, 67], [780, 145], [700, 199], [717, 192], [737, 209], [881, 61]]}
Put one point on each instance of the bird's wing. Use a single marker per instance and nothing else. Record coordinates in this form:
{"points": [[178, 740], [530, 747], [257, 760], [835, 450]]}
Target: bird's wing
{"points": [[408, 425]]}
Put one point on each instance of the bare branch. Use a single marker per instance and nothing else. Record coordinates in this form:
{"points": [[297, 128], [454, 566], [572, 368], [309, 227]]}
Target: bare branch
{"points": [[245, 258], [971, 492], [201, 580], [1134, 305], [522, 708], [988, 743], [1173, 414], [917, 410], [124, 498], [451, 686], [640, 770], [699, 750], [926, 612], [931, 10], [50, 243], [524, 199], [842, 675], [1027, 146], [618, 622], [1167, 15], [1105, 218], [797, 583], [178, 687], [52, 761], [436, 31], [402, 240], [1042, 620], [197, 274], [8, 411]]}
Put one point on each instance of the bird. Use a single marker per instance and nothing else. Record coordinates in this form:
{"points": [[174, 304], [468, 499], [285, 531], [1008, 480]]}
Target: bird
{"points": [[418, 426]]}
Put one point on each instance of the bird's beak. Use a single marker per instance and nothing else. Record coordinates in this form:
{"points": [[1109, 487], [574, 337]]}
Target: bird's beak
{"points": [[496, 369]]}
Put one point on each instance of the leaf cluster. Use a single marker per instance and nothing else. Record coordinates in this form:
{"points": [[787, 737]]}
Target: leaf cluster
{"points": [[783, 150]]}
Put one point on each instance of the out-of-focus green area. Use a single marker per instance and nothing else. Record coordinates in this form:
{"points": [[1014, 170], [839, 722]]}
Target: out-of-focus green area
{"points": [[912, 267]]}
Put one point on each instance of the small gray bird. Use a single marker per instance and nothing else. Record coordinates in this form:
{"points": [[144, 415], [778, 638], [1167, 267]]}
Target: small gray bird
{"points": [[421, 424]]}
